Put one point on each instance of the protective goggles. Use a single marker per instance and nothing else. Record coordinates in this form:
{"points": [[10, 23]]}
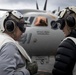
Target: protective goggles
{"points": [[21, 26], [59, 24]]}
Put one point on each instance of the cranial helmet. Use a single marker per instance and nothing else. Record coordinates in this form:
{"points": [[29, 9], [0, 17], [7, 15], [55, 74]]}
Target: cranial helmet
{"points": [[63, 12], [64, 15], [9, 23]]}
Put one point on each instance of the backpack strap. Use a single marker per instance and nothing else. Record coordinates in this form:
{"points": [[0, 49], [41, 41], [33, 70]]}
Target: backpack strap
{"points": [[23, 52], [5, 38], [72, 38]]}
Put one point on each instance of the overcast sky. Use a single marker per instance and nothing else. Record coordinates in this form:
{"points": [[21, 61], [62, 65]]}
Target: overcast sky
{"points": [[31, 4]]}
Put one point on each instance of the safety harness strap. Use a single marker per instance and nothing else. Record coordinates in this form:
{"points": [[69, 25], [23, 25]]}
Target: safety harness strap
{"points": [[74, 40], [5, 38]]}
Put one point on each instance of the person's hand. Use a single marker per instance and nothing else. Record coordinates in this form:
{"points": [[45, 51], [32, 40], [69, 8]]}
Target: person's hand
{"points": [[32, 68]]}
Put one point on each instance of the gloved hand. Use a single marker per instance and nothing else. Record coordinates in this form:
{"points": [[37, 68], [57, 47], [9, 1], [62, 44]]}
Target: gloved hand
{"points": [[32, 67]]}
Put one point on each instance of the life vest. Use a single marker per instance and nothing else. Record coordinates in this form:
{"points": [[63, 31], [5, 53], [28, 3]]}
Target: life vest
{"points": [[4, 38]]}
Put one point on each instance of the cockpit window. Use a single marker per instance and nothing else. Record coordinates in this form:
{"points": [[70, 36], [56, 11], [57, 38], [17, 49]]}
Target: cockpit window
{"points": [[41, 21], [31, 20], [26, 18]]}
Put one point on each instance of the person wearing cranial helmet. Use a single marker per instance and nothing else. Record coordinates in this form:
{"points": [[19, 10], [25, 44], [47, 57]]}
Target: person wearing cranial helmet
{"points": [[41, 21], [65, 58], [13, 57]]}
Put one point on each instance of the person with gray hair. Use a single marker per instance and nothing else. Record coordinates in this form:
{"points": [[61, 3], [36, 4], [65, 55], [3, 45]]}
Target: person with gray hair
{"points": [[14, 60], [65, 58]]}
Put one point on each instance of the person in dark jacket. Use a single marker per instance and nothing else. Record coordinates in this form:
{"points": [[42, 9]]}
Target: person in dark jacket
{"points": [[65, 58]]}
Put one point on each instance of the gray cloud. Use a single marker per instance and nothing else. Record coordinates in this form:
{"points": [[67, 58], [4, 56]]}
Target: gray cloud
{"points": [[51, 4], [61, 3], [17, 1]]}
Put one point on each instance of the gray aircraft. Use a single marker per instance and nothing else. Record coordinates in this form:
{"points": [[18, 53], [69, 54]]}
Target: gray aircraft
{"points": [[41, 42]]}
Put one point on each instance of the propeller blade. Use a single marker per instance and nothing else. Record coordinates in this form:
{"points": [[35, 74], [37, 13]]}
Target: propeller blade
{"points": [[37, 5], [45, 5]]}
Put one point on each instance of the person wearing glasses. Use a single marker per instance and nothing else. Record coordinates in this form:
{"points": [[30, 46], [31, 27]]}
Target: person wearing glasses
{"points": [[13, 58], [65, 58]]}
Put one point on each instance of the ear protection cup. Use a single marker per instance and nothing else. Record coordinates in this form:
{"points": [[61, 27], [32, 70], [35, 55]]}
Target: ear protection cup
{"points": [[70, 21], [60, 23], [10, 25]]}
